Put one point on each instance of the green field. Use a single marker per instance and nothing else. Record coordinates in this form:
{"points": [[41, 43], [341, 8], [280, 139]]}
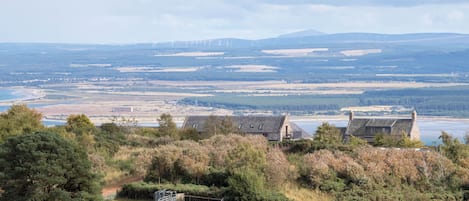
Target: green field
{"points": [[442, 101]]}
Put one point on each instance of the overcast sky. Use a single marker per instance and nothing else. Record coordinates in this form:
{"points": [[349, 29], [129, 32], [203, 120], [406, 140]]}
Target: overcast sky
{"points": [[135, 21]]}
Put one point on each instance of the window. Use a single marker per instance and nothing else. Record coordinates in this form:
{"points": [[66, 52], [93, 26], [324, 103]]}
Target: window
{"points": [[261, 126], [194, 125]]}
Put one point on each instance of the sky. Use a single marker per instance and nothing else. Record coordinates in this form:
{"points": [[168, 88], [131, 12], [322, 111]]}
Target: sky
{"points": [[150, 21]]}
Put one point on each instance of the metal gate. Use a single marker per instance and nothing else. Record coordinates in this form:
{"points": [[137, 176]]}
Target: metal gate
{"points": [[164, 195]]}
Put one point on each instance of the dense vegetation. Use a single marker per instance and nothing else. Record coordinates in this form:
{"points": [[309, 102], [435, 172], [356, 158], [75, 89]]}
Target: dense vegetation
{"points": [[65, 163], [45, 166]]}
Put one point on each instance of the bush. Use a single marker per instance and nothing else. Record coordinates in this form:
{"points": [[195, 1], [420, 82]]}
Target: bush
{"points": [[215, 177], [247, 185], [385, 174], [299, 146]]}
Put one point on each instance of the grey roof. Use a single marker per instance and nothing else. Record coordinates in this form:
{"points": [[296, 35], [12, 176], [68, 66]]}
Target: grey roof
{"points": [[359, 126], [381, 122], [247, 124], [298, 132]]}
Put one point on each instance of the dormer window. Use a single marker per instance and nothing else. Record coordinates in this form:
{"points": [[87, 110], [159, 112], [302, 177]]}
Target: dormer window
{"points": [[194, 125], [373, 130]]}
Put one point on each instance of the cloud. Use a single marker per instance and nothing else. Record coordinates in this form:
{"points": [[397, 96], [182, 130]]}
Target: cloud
{"points": [[130, 21]]}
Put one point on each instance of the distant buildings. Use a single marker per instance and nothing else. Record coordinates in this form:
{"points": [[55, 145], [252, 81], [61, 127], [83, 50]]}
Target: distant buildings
{"points": [[123, 109], [367, 127]]}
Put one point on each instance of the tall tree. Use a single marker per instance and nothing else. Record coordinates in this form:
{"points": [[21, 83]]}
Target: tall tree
{"points": [[328, 134], [83, 128], [167, 126], [45, 166], [212, 126], [19, 119], [79, 124], [109, 139], [452, 148], [227, 126]]}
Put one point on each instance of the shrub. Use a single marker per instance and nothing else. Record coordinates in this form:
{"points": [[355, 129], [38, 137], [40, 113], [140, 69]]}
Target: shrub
{"points": [[247, 185], [384, 174]]}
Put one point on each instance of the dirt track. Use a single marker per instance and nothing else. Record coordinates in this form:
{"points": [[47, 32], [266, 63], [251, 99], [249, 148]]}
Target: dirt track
{"points": [[111, 189]]}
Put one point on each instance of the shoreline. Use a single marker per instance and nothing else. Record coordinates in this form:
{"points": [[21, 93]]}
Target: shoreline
{"points": [[22, 94], [32, 96]]}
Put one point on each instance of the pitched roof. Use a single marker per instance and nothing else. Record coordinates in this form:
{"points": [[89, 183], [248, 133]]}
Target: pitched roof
{"points": [[298, 132], [247, 124], [381, 122], [358, 126]]}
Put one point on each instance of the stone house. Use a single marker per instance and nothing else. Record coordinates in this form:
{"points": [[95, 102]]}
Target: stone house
{"points": [[368, 127], [274, 128]]}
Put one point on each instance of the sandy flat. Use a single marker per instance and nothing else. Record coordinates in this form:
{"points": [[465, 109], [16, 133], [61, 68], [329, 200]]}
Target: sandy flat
{"points": [[89, 65], [294, 52], [131, 69], [358, 85], [375, 108], [419, 75], [252, 68], [168, 94], [191, 54], [350, 53]]}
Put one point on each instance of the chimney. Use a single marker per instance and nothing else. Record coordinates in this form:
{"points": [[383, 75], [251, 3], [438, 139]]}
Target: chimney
{"points": [[414, 116], [350, 117]]}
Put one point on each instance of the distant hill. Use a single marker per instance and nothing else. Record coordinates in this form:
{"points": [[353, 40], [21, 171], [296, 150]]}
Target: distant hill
{"points": [[311, 38], [304, 33]]}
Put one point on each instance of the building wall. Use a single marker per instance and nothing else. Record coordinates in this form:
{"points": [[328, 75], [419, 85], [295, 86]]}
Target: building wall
{"points": [[415, 132], [286, 129]]}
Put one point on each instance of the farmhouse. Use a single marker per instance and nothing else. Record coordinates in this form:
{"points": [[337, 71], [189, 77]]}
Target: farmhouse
{"points": [[368, 128], [274, 128]]}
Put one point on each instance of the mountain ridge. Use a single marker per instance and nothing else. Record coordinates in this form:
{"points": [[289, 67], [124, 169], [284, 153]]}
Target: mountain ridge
{"points": [[337, 38]]}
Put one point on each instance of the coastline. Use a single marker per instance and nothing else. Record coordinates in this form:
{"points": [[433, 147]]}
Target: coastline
{"points": [[22, 94], [54, 110]]}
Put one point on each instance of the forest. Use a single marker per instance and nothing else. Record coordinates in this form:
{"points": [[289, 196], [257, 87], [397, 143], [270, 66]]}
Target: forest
{"points": [[78, 160]]}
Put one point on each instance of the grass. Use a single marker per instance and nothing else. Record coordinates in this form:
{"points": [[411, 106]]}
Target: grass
{"points": [[122, 164], [298, 193]]}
